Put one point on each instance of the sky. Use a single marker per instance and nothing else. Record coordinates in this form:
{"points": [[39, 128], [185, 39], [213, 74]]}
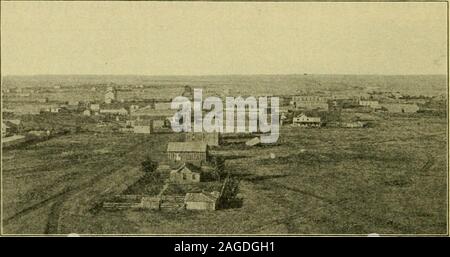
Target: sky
{"points": [[213, 38]]}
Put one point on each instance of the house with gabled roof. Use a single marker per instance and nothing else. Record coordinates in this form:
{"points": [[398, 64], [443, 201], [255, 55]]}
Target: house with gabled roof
{"points": [[304, 121], [185, 173]]}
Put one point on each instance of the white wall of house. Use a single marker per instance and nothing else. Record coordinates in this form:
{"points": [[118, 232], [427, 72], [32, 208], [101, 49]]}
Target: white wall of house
{"points": [[200, 206]]}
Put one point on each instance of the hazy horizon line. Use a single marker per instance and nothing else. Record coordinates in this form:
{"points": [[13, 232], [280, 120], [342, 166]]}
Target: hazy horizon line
{"points": [[232, 74]]}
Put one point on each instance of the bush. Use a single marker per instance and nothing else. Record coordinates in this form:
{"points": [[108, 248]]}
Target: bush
{"points": [[218, 163], [229, 197], [149, 165]]}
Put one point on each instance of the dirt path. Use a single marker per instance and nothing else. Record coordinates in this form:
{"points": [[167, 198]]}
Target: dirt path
{"points": [[79, 203], [56, 202], [53, 218]]}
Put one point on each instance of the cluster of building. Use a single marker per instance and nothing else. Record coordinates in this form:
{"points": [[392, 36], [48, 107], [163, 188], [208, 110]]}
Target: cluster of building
{"points": [[191, 161], [300, 106], [145, 117], [187, 161]]}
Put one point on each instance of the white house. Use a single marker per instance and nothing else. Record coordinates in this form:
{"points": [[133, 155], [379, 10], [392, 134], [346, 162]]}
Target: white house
{"points": [[304, 121]]}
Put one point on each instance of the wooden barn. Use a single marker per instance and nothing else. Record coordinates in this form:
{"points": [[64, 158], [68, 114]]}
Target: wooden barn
{"points": [[193, 152]]}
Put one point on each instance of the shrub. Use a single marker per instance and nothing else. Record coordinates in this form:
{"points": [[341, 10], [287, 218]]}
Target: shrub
{"points": [[148, 165]]}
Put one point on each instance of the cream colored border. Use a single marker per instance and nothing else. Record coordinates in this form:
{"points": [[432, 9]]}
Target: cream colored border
{"points": [[253, 235]]}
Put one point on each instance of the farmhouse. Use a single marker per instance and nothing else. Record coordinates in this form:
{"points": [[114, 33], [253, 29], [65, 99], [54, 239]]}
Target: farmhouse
{"points": [[194, 152], [201, 201], [305, 121], [185, 174]]}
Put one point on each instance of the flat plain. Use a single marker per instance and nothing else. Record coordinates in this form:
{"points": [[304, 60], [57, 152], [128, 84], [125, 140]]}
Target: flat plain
{"points": [[389, 178]]}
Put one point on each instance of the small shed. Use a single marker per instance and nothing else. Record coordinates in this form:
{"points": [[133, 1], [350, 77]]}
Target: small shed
{"points": [[185, 174], [201, 201]]}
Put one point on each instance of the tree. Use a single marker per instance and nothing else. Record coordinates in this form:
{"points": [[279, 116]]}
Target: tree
{"points": [[219, 166], [148, 165], [229, 192]]}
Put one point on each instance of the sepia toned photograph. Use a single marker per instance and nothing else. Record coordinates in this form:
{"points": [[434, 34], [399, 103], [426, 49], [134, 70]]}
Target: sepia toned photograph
{"points": [[224, 118]]}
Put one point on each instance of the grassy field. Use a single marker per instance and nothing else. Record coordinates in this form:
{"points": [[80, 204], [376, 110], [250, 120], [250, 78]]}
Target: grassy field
{"points": [[40, 177], [387, 179]]}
